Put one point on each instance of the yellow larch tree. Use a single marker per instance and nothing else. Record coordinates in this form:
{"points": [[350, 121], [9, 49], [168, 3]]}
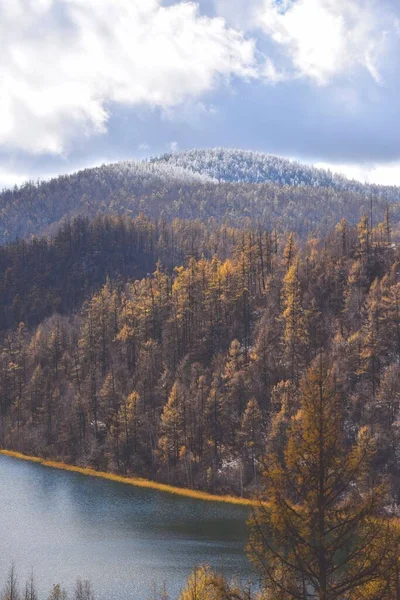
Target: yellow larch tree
{"points": [[294, 315], [318, 536]]}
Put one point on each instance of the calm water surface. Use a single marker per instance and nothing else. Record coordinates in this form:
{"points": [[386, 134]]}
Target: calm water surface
{"points": [[65, 525]]}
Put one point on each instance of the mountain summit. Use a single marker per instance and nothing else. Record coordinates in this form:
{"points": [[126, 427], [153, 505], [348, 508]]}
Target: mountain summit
{"points": [[232, 186], [247, 166]]}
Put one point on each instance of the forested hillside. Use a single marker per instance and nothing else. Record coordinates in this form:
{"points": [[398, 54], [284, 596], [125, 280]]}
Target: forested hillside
{"points": [[47, 275], [245, 166], [119, 188], [191, 373], [238, 189]]}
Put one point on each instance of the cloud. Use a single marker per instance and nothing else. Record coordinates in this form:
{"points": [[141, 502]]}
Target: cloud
{"points": [[383, 174], [9, 178], [271, 73], [241, 14], [329, 38], [65, 63], [320, 39], [89, 81]]}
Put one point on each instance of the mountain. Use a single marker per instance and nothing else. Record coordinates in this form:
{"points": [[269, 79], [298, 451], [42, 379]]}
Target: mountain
{"points": [[185, 373], [246, 166], [32, 208], [169, 336], [236, 187], [56, 274]]}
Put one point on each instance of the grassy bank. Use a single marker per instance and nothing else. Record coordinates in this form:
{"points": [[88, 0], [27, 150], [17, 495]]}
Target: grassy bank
{"points": [[136, 481]]}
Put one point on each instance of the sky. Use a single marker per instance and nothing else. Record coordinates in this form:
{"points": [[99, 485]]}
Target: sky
{"points": [[86, 82]]}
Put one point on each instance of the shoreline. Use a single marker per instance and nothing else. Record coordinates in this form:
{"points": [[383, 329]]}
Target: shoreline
{"points": [[134, 481]]}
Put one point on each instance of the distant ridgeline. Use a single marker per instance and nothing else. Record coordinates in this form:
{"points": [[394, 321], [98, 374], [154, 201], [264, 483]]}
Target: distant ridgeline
{"points": [[245, 166], [237, 188]]}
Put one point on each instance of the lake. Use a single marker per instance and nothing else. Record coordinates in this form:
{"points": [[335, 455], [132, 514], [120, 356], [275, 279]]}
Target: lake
{"points": [[65, 525]]}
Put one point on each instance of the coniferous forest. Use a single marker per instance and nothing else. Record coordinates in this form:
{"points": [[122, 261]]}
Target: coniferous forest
{"points": [[223, 352], [199, 300], [176, 350], [234, 187]]}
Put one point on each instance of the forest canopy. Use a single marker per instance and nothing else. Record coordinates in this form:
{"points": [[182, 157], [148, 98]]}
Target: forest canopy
{"points": [[220, 321], [236, 188], [176, 351]]}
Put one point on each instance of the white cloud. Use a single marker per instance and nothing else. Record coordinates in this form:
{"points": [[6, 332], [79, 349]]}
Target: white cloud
{"points": [[383, 174], [327, 38], [65, 62], [321, 38], [8, 178], [271, 73]]}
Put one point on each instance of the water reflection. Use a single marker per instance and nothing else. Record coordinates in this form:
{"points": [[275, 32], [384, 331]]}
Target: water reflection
{"points": [[66, 525]]}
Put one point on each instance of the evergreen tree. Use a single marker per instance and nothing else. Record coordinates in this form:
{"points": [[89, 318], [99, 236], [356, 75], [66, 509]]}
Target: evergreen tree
{"points": [[251, 433], [295, 335], [172, 423]]}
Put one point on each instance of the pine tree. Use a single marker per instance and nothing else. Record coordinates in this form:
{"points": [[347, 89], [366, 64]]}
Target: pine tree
{"points": [[295, 335], [290, 251], [203, 584], [130, 423], [390, 317], [83, 590], [372, 339], [251, 433], [58, 593], [284, 405], [172, 422], [356, 288], [364, 235], [111, 399], [214, 418], [319, 535], [234, 391], [342, 232]]}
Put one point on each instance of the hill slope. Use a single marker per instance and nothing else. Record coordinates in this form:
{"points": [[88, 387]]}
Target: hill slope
{"points": [[31, 208], [246, 166], [239, 188]]}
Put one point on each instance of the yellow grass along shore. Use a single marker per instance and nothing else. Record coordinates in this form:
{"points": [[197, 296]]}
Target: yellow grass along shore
{"points": [[135, 481]]}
